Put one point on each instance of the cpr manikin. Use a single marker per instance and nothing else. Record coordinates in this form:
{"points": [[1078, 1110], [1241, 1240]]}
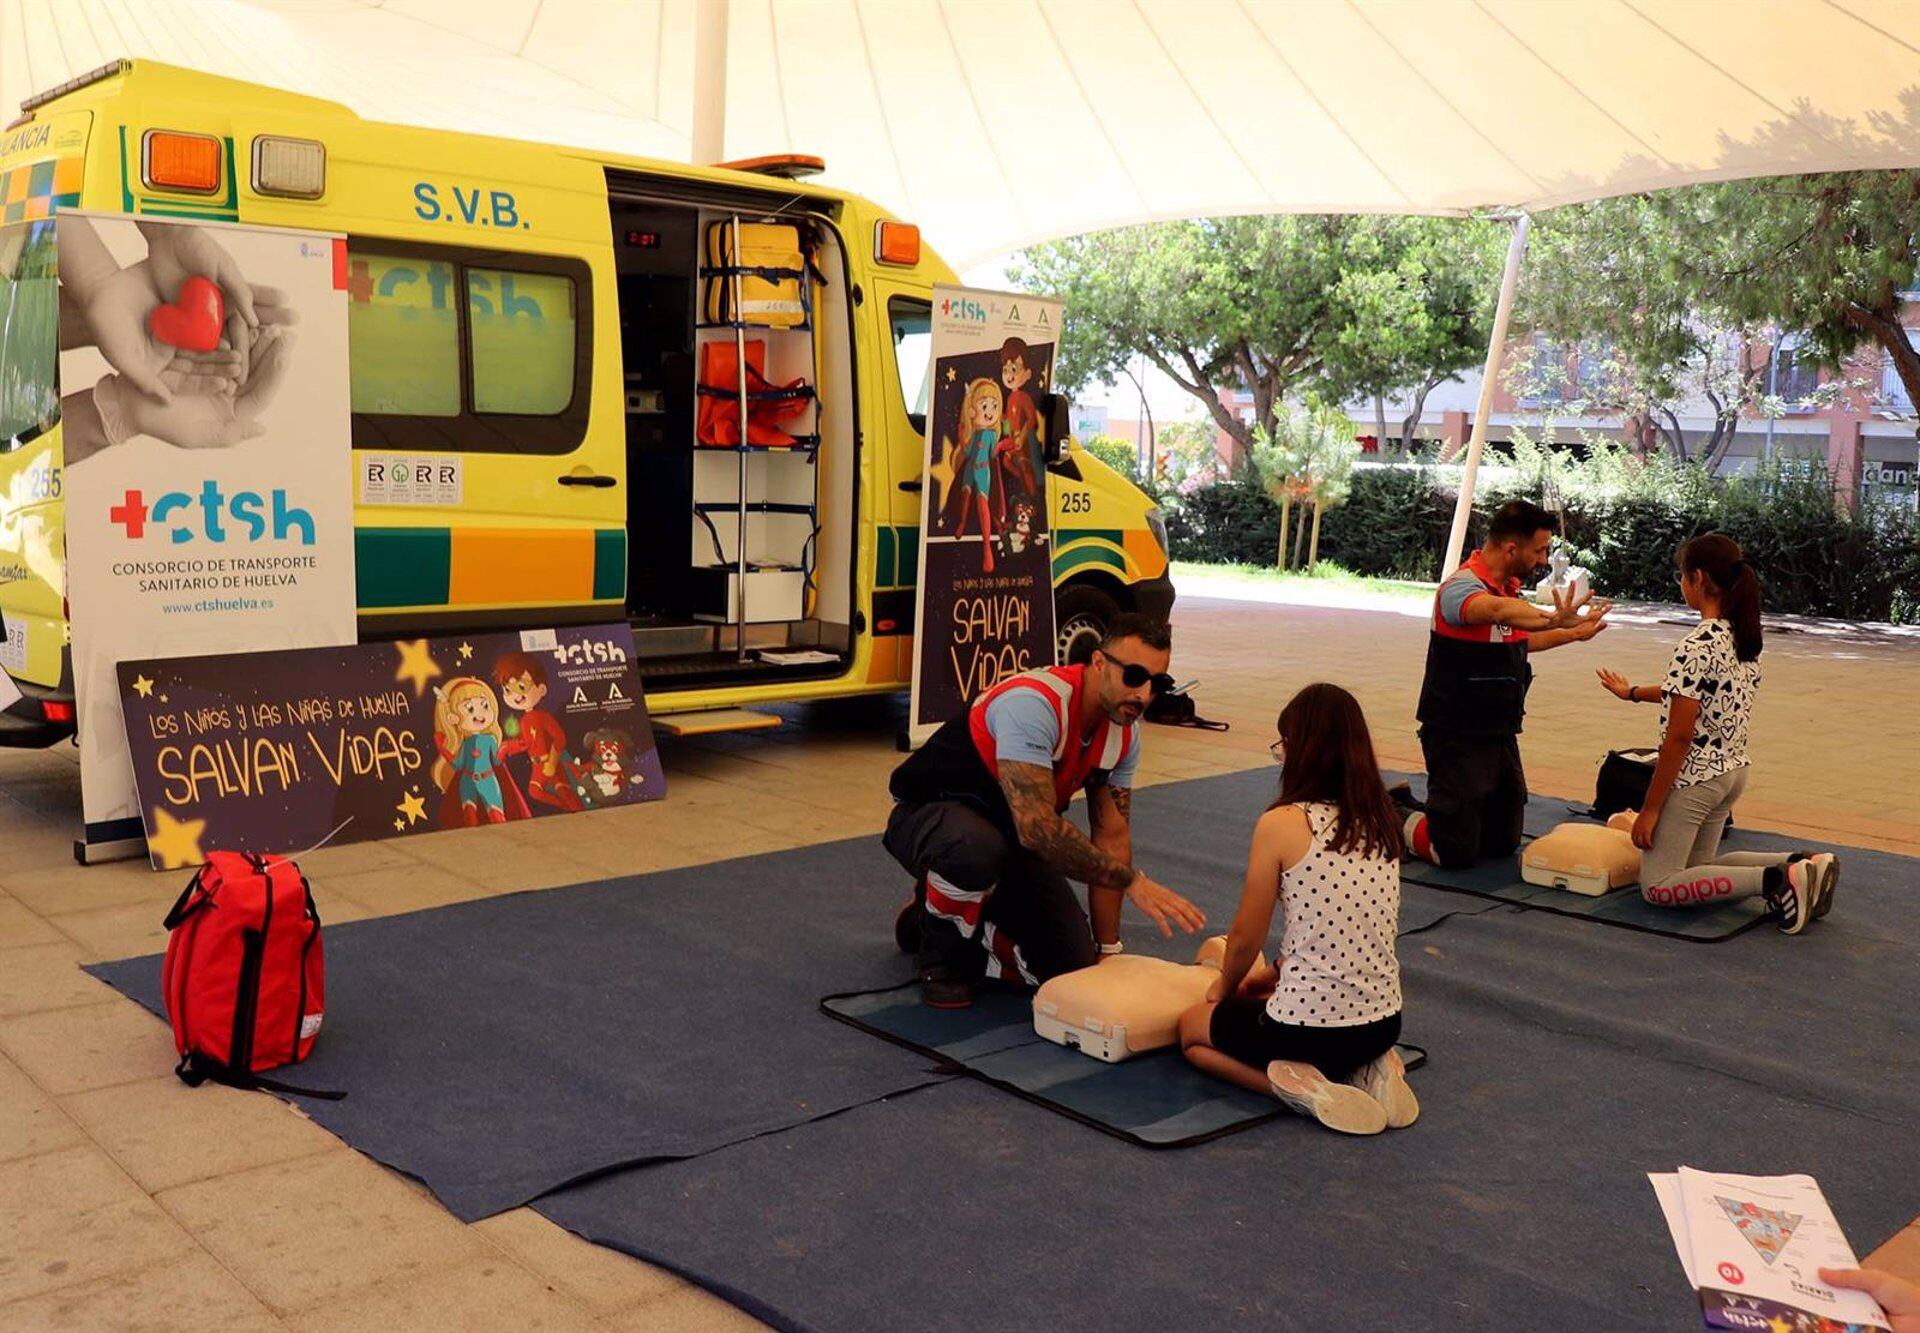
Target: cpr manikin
{"points": [[1126, 1004], [1591, 859]]}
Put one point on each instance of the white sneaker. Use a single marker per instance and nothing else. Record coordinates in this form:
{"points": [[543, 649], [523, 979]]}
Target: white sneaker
{"points": [[1338, 1106], [1385, 1080], [1798, 891]]}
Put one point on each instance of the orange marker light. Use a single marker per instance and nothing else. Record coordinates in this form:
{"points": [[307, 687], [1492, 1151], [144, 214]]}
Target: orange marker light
{"points": [[188, 163], [897, 243]]}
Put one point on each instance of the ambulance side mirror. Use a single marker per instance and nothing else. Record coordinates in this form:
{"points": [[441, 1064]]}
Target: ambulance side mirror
{"points": [[1057, 421]]}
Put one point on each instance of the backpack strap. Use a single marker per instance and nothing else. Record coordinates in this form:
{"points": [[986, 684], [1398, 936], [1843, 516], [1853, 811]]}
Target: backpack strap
{"points": [[195, 1069], [186, 904]]}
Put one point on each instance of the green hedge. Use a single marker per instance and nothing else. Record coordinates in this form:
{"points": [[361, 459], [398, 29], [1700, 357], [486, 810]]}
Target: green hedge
{"points": [[1815, 558]]}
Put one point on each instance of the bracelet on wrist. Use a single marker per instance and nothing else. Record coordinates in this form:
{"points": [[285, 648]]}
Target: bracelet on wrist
{"points": [[1108, 950]]}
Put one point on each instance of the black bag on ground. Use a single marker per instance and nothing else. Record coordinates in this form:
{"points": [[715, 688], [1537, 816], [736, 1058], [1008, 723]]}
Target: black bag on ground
{"points": [[1624, 778], [1175, 708]]}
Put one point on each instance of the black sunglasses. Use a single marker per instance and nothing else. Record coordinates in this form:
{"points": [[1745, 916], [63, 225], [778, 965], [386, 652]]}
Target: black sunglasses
{"points": [[1133, 675]]}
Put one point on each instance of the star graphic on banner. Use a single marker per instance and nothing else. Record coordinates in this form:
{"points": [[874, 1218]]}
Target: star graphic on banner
{"points": [[163, 698], [143, 687], [952, 374], [1043, 381], [176, 841], [466, 651], [412, 807], [399, 825], [416, 664], [941, 468]]}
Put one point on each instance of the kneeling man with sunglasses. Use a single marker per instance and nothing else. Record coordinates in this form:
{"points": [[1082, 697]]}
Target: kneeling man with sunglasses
{"points": [[980, 822]]}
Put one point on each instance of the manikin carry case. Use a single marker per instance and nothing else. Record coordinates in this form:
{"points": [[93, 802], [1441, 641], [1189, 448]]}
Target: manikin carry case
{"points": [[244, 977]]}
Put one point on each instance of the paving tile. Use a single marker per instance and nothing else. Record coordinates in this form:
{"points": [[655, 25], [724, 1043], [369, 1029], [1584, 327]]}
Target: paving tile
{"points": [[318, 1229], [19, 926], [492, 1293], [164, 1133], [77, 888], [30, 1120], [600, 1279], [72, 1216], [187, 1291], [46, 976], [106, 933], [75, 1050], [688, 1310], [1901, 1253]]}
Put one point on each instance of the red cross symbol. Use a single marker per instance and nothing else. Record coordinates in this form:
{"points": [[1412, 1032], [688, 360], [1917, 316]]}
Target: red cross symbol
{"points": [[131, 514], [359, 281]]}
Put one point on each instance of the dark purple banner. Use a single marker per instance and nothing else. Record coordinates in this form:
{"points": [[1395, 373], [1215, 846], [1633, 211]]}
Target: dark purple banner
{"points": [[278, 752]]}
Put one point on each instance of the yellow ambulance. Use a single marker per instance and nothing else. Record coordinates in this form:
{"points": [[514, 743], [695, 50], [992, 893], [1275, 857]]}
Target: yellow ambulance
{"points": [[546, 349]]}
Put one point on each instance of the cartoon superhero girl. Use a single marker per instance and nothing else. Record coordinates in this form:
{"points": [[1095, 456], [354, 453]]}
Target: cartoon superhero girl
{"points": [[973, 461], [466, 730]]}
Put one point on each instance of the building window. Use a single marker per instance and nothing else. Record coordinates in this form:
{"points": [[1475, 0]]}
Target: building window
{"points": [[1794, 375], [467, 350], [1893, 391]]}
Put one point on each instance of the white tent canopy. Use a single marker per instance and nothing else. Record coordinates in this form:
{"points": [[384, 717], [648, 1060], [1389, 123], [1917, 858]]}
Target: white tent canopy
{"points": [[994, 123]]}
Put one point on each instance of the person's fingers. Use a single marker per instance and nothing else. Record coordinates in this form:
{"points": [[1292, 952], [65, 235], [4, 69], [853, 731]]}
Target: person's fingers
{"points": [[268, 370], [267, 298], [146, 379], [239, 291]]}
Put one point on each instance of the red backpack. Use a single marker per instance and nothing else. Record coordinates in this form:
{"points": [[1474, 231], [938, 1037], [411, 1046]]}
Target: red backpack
{"points": [[244, 978]]}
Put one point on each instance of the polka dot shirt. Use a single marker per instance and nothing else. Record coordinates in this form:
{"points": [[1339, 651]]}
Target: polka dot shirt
{"points": [[1341, 912]]}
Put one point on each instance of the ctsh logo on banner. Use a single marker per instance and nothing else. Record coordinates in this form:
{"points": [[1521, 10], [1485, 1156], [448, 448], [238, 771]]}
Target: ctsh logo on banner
{"points": [[985, 608], [278, 752], [207, 443]]}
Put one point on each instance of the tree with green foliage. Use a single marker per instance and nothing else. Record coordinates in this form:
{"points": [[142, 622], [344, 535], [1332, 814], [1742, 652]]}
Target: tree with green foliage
{"points": [[1684, 292], [1116, 453], [1412, 309], [1271, 305], [1307, 457]]}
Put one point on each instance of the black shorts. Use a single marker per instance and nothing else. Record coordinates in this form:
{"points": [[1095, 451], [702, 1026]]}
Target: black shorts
{"points": [[1243, 1029]]}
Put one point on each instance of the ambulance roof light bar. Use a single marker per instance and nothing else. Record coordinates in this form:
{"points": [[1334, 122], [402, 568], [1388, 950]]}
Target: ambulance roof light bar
{"points": [[787, 166], [106, 71]]}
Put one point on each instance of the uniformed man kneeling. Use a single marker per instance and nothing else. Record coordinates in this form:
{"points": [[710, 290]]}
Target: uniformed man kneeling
{"points": [[980, 822]]}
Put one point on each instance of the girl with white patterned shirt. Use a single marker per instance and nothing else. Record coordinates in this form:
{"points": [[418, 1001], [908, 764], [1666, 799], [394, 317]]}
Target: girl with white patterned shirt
{"points": [[1705, 703], [1318, 1031]]}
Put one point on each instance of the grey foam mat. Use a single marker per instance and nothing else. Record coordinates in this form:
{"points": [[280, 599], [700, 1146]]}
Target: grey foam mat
{"points": [[1499, 879], [1569, 1063], [1156, 1100]]}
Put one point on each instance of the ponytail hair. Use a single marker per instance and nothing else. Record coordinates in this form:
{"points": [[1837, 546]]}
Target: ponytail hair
{"points": [[1329, 757], [1720, 558]]}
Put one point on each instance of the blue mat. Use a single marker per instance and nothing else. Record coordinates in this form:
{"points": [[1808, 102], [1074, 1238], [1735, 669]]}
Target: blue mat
{"points": [[1156, 1100], [1571, 1062]]}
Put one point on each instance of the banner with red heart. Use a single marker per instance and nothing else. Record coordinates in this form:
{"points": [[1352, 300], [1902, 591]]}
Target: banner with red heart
{"points": [[194, 320]]}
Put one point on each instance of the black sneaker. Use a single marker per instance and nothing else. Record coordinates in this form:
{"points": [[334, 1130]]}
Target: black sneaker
{"points": [[1401, 794], [940, 989], [1829, 881], [1792, 890]]}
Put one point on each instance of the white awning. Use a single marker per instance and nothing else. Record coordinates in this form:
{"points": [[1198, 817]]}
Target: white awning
{"points": [[994, 123]]}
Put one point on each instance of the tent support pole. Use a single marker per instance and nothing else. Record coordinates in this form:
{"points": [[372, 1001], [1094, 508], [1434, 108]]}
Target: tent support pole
{"points": [[1496, 345], [710, 81]]}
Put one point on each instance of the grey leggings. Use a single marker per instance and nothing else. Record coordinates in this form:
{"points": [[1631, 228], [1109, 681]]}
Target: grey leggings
{"points": [[1686, 867]]}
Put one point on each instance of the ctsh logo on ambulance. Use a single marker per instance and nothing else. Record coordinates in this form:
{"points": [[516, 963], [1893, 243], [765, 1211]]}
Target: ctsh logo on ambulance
{"points": [[215, 510]]}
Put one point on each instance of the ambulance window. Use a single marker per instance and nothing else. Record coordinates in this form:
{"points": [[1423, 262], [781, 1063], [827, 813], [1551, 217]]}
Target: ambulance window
{"points": [[912, 323], [523, 335], [29, 334], [403, 335]]}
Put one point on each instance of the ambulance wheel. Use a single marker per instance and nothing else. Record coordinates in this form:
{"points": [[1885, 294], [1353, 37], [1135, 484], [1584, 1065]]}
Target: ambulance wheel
{"points": [[1081, 614]]}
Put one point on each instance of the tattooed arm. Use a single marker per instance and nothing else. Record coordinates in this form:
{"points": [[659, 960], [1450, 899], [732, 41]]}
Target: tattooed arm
{"points": [[1110, 812], [1046, 833]]}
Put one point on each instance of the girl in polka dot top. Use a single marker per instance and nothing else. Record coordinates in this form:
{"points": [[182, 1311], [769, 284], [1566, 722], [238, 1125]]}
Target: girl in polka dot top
{"points": [[1318, 1030]]}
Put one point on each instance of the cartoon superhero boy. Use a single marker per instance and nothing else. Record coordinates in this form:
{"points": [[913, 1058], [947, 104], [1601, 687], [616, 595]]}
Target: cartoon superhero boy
{"points": [[523, 684], [1018, 453]]}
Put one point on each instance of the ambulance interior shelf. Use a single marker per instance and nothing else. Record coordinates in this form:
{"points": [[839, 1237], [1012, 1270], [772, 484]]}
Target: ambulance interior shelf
{"points": [[756, 480]]}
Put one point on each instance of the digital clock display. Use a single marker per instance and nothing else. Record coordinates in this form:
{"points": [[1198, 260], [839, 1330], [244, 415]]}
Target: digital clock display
{"points": [[644, 240]]}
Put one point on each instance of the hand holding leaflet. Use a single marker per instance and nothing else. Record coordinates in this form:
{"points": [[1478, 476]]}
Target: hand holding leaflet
{"points": [[1754, 1248]]}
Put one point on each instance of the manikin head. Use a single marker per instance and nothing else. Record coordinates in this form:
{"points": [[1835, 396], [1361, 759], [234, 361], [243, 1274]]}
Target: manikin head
{"points": [[1519, 536], [1129, 668]]}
